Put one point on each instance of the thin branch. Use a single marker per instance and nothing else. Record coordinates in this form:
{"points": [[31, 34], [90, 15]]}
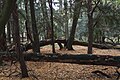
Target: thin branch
{"points": [[95, 7]]}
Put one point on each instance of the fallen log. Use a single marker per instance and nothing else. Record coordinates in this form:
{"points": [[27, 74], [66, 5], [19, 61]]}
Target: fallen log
{"points": [[44, 43], [59, 42], [83, 59], [27, 46]]}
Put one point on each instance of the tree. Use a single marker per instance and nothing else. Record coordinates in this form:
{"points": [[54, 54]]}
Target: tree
{"points": [[8, 32], [4, 17], [27, 22], [46, 19], [90, 27], [78, 4], [17, 44], [35, 43], [66, 19], [52, 26]]}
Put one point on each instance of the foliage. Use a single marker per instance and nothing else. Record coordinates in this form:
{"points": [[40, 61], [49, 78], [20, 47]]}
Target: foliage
{"points": [[106, 18]]}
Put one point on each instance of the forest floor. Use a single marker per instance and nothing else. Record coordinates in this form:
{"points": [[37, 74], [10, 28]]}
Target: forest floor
{"points": [[63, 71]]}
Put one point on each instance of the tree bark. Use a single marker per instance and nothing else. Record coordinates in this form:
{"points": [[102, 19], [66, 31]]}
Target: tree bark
{"points": [[35, 44], [66, 19], [8, 32], [4, 17], [90, 27], [52, 26], [74, 24], [17, 44], [27, 23], [46, 19], [13, 29], [5, 14]]}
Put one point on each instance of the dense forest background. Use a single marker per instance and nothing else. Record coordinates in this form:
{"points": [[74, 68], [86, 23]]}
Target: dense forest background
{"points": [[26, 24], [68, 20]]}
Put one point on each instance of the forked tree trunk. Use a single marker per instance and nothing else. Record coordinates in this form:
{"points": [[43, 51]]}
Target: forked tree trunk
{"points": [[17, 44], [4, 17], [74, 24]]}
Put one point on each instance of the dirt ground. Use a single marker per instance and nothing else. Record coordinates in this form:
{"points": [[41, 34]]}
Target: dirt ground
{"points": [[62, 71]]}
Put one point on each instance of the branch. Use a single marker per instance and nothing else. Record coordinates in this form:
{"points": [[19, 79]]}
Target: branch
{"points": [[95, 7], [99, 16]]}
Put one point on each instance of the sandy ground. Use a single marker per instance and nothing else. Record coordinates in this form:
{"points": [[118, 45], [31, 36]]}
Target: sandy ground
{"points": [[62, 71]]}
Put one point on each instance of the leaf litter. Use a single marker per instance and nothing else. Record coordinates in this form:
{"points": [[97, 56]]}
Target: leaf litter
{"points": [[62, 71]]}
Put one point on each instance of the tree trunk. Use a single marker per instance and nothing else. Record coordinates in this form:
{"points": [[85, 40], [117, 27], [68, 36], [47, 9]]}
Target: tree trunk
{"points": [[2, 42], [52, 25], [17, 44], [27, 23], [70, 9], [8, 32], [118, 39], [74, 24], [61, 6], [46, 19], [66, 19], [22, 36], [90, 27], [5, 15], [13, 29], [36, 48]]}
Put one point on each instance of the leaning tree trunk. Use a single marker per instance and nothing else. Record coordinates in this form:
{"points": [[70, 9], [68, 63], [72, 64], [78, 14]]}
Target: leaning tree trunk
{"points": [[2, 36], [74, 24], [17, 44], [35, 43], [90, 27], [4, 17]]}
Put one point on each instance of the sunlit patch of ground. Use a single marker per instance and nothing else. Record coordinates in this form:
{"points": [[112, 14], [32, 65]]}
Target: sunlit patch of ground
{"points": [[82, 50], [63, 71]]}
